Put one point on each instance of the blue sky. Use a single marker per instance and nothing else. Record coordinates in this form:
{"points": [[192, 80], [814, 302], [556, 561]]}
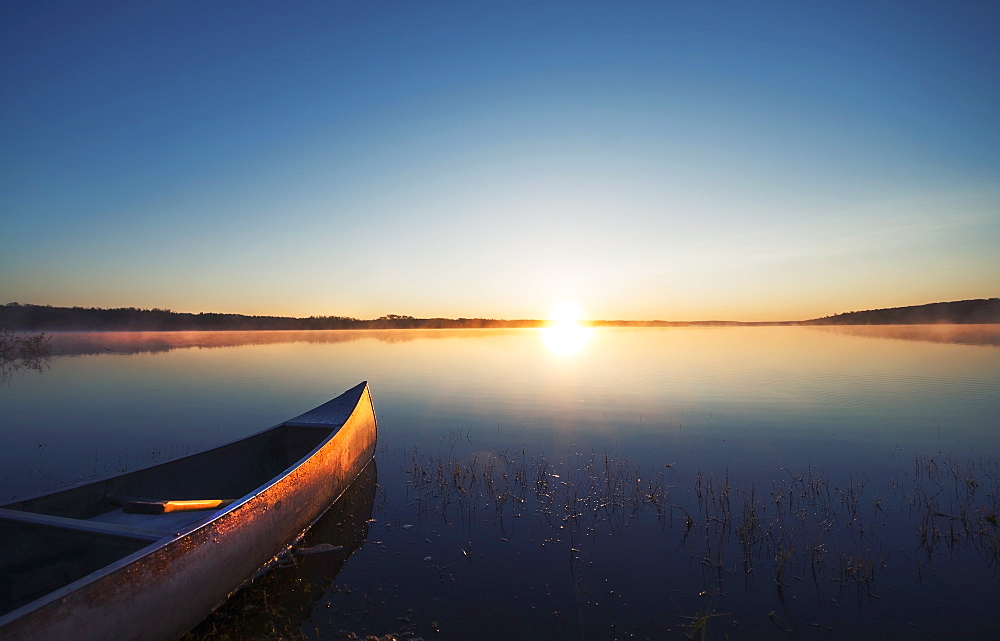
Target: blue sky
{"points": [[671, 160]]}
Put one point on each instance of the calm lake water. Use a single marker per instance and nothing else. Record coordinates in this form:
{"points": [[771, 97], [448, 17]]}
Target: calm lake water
{"points": [[579, 484]]}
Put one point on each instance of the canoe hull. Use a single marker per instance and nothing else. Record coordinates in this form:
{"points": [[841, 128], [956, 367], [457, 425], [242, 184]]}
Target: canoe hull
{"points": [[163, 590]]}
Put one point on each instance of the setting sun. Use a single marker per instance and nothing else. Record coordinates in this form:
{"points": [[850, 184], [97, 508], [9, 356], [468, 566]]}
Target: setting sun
{"points": [[565, 335], [565, 314]]}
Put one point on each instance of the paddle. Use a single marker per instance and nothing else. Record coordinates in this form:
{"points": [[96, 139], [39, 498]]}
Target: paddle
{"points": [[162, 507]]}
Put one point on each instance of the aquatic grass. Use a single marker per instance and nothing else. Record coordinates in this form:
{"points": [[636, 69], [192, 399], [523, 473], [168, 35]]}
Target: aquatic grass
{"points": [[803, 531], [951, 508], [697, 629], [23, 351], [805, 517]]}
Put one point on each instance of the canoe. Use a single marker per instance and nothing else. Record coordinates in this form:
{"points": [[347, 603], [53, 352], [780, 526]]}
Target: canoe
{"points": [[149, 554]]}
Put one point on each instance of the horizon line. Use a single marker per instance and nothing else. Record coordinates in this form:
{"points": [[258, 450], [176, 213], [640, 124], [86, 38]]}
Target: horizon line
{"points": [[581, 321]]}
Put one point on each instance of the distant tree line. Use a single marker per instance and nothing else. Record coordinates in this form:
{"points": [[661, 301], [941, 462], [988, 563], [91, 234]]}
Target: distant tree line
{"points": [[16, 316], [979, 311]]}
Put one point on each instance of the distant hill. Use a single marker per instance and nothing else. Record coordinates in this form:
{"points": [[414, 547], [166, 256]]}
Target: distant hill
{"points": [[983, 310]]}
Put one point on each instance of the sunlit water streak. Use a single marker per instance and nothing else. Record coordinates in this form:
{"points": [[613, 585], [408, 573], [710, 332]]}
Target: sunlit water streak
{"points": [[567, 339]]}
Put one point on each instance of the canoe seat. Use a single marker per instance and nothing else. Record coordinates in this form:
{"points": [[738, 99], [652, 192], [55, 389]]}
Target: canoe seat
{"points": [[121, 522], [129, 531], [170, 523]]}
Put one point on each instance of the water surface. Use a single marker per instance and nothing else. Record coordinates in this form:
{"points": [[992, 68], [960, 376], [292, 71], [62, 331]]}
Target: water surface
{"points": [[584, 483]]}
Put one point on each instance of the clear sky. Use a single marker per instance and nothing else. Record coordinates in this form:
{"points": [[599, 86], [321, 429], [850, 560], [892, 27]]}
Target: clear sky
{"points": [[674, 160]]}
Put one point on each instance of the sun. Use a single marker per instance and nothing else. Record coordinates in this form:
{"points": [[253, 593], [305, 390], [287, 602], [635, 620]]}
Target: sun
{"points": [[565, 314], [565, 335]]}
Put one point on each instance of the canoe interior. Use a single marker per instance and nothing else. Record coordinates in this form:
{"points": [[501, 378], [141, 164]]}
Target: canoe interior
{"points": [[228, 472], [40, 557]]}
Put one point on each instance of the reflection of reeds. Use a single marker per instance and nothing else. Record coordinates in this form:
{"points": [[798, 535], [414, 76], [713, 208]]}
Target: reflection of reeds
{"points": [[951, 509], [697, 629], [803, 526], [799, 531]]}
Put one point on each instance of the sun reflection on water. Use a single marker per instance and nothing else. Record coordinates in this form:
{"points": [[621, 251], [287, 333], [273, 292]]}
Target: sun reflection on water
{"points": [[565, 335], [565, 339]]}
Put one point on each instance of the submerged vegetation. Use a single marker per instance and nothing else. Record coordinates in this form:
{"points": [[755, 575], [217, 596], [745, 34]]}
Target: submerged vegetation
{"points": [[542, 546], [804, 524]]}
